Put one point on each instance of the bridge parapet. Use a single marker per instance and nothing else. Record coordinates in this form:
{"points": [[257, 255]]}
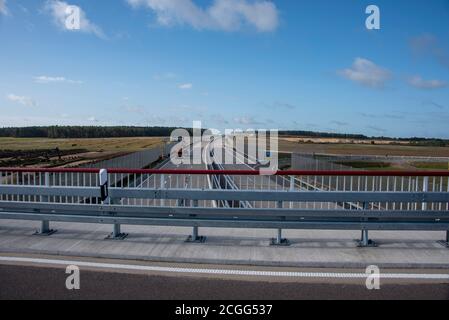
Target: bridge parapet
{"points": [[353, 200]]}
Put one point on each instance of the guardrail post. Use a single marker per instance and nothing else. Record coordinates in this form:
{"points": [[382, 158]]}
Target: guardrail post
{"points": [[365, 241], [279, 237], [162, 188], [279, 241], [195, 237], [45, 224], [292, 188], [107, 200], [425, 188]]}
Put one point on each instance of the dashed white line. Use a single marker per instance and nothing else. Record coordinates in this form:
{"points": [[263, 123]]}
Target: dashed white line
{"points": [[229, 272]]}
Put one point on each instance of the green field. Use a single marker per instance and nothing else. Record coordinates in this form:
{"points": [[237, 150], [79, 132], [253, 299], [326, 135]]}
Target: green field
{"points": [[366, 164], [431, 165]]}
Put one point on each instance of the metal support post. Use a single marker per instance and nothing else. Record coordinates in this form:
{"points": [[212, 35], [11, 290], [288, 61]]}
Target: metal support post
{"points": [[279, 241], [425, 188], [107, 200], [117, 233], [162, 188], [365, 241], [279, 237], [365, 238], [292, 188], [45, 224], [195, 237]]}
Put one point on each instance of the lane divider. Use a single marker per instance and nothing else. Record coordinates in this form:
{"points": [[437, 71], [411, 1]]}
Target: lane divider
{"points": [[228, 272]]}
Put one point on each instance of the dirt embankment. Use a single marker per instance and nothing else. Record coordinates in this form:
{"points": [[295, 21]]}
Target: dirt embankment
{"points": [[48, 158], [46, 152]]}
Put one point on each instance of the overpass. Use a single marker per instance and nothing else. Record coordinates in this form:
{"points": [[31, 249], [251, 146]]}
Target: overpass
{"points": [[327, 200], [228, 207]]}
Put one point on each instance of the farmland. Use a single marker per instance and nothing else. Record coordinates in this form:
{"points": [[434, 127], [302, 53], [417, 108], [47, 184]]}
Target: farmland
{"points": [[379, 148], [45, 152]]}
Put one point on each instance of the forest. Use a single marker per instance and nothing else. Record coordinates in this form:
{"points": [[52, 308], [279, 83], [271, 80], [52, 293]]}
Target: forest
{"points": [[85, 132]]}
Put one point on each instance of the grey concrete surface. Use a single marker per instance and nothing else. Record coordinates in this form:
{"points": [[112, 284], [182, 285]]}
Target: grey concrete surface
{"points": [[30, 282], [308, 248]]}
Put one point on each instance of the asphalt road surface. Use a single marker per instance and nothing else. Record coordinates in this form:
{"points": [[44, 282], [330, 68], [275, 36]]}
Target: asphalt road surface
{"points": [[48, 282]]}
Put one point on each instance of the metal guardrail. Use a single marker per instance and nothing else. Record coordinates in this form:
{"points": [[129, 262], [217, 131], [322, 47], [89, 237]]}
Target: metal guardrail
{"points": [[353, 200]]}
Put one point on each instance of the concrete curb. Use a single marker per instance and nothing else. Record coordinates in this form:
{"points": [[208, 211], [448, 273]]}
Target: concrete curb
{"points": [[218, 261]]}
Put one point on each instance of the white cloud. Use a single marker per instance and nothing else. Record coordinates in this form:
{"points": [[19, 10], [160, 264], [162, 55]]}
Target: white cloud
{"points": [[3, 8], [420, 83], [247, 120], [92, 119], [366, 73], [219, 119], [185, 86], [227, 15], [376, 129], [26, 101], [165, 76], [47, 79], [58, 10], [134, 109], [339, 123], [281, 105], [429, 45]]}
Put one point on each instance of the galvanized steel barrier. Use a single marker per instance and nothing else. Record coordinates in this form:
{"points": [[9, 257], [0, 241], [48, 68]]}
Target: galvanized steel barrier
{"points": [[344, 200]]}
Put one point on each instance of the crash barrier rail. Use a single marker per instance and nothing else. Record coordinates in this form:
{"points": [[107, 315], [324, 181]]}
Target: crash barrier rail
{"points": [[343, 200]]}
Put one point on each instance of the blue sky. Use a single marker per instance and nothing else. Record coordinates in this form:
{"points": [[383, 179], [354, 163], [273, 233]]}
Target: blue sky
{"points": [[303, 65]]}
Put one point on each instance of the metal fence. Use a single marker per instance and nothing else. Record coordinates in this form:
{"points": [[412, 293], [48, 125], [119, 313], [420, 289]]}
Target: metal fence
{"points": [[353, 200], [302, 161], [135, 160]]}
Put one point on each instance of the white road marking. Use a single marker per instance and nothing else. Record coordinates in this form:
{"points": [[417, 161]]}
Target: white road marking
{"points": [[255, 273]]}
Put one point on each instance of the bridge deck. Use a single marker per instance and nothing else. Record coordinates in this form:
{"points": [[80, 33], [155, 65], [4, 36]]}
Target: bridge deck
{"points": [[311, 248], [230, 246]]}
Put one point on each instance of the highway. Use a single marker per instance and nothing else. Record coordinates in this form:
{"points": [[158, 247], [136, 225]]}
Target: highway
{"points": [[241, 161], [47, 281], [174, 181], [40, 274]]}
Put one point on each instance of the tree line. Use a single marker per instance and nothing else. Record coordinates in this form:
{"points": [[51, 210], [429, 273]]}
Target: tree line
{"points": [[313, 134], [84, 132], [65, 132], [80, 132]]}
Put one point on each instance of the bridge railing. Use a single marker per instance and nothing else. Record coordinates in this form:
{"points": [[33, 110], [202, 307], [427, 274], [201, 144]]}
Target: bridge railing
{"points": [[342, 181], [365, 200]]}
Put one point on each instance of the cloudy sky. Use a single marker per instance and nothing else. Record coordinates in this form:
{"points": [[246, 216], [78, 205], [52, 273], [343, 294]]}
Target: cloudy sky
{"points": [[305, 65]]}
